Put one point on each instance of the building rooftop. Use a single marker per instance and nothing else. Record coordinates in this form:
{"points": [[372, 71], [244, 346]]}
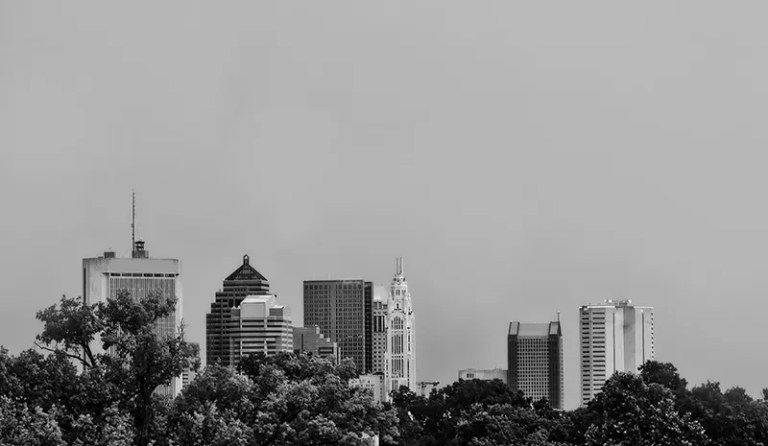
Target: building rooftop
{"points": [[268, 298], [614, 303], [246, 272], [334, 280], [543, 329]]}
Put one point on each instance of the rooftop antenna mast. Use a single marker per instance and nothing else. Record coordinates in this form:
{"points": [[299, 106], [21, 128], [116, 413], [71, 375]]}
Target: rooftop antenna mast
{"points": [[133, 220]]}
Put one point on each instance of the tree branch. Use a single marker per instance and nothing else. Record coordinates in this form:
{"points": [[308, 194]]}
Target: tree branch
{"points": [[67, 354]]}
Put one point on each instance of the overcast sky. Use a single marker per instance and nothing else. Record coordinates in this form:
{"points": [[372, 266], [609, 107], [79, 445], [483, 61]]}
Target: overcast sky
{"points": [[524, 158]]}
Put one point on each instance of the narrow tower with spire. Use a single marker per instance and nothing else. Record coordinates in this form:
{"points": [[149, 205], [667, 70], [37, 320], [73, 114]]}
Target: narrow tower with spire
{"points": [[401, 351]]}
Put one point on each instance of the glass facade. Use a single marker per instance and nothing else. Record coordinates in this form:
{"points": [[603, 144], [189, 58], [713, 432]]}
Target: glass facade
{"points": [[535, 361], [343, 311]]}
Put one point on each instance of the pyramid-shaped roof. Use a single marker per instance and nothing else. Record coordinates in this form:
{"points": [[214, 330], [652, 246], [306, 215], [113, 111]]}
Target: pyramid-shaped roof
{"points": [[246, 272]]}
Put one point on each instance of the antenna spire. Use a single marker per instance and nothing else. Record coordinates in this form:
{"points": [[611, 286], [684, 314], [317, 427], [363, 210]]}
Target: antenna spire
{"points": [[133, 220]]}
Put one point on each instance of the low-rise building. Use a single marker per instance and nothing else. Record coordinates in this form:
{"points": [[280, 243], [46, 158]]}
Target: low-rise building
{"points": [[310, 340], [484, 374], [374, 383]]}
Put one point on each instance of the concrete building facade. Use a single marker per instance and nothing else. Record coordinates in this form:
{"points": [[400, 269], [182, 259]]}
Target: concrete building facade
{"points": [[259, 325], [374, 383], [106, 276], [484, 374], [614, 337], [535, 361], [244, 281]]}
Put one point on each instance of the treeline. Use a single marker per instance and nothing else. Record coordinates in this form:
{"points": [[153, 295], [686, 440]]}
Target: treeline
{"points": [[72, 395]]}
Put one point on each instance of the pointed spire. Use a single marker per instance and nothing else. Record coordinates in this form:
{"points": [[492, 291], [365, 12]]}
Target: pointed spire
{"points": [[246, 271], [133, 220]]}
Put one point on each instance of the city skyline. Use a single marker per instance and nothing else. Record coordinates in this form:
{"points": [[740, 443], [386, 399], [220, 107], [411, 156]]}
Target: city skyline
{"points": [[249, 283], [526, 158]]}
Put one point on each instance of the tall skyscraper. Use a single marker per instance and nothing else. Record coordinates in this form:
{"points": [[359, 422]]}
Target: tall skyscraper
{"points": [[259, 325], [244, 281], [343, 309], [106, 276], [401, 334], [615, 337], [535, 361], [380, 298]]}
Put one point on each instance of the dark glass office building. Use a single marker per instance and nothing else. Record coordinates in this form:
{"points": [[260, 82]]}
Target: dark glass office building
{"points": [[343, 309], [535, 361]]}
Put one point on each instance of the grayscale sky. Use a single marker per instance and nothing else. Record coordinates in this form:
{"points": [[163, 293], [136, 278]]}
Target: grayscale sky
{"points": [[525, 158]]}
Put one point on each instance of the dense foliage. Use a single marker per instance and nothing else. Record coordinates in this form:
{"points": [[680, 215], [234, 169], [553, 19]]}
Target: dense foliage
{"points": [[94, 384]]}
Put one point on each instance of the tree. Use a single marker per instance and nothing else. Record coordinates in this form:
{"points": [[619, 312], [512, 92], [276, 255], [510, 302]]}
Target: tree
{"points": [[111, 428], [138, 359], [504, 424], [635, 413], [663, 373], [70, 328], [284, 399], [405, 402], [20, 426], [36, 379], [731, 417], [436, 419]]}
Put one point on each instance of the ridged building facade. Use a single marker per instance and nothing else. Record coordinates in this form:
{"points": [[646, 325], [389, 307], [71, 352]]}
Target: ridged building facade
{"points": [[243, 282], [614, 337], [106, 276], [535, 361], [259, 326]]}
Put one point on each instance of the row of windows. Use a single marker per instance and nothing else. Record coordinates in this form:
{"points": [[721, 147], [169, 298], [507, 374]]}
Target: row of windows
{"points": [[141, 274], [140, 288]]}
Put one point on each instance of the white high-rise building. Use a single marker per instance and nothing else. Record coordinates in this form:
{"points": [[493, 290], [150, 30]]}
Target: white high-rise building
{"points": [[400, 355], [259, 325], [615, 337], [104, 277]]}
